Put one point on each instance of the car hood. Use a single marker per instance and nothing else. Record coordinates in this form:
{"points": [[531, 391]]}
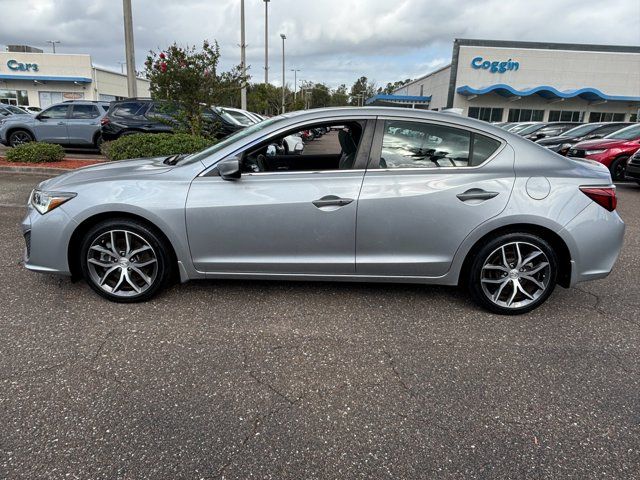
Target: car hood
{"points": [[109, 170], [600, 143]]}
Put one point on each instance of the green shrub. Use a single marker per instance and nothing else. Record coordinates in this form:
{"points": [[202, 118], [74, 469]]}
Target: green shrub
{"points": [[36, 152], [142, 145]]}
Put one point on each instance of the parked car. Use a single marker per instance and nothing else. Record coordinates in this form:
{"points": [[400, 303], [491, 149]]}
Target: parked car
{"points": [[613, 151], [588, 131], [72, 123], [143, 115], [519, 126], [32, 110], [546, 129], [633, 167], [9, 110], [442, 200]]}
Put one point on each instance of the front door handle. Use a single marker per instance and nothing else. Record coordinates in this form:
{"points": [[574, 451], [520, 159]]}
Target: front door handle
{"points": [[476, 194], [332, 201]]}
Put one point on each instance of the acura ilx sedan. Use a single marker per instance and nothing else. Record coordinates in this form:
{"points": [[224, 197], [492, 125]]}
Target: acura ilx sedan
{"points": [[388, 195]]}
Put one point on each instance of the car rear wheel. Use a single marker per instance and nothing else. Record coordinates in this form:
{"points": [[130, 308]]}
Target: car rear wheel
{"points": [[513, 273], [125, 261], [19, 137], [618, 168]]}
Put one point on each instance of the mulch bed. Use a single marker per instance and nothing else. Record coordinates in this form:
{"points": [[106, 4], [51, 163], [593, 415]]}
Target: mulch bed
{"points": [[66, 164]]}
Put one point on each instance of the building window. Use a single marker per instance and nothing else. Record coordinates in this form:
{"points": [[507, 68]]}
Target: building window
{"points": [[487, 114], [633, 117], [14, 97], [421, 90], [606, 117], [565, 116], [50, 98], [525, 115]]}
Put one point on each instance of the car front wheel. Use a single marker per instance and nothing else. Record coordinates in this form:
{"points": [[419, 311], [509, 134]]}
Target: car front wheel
{"points": [[19, 137], [125, 261], [618, 168], [513, 273]]}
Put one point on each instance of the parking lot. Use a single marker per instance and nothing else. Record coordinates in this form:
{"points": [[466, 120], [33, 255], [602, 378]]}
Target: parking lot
{"points": [[239, 379]]}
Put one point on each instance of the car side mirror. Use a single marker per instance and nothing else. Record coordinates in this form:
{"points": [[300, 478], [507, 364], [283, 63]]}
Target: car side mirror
{"points": [[42, 117], [229, 169], [594, 136]]}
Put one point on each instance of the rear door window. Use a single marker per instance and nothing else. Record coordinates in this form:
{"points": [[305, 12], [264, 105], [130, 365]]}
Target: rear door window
{"points": [[80, 112], [128, 109], [57, 111]]}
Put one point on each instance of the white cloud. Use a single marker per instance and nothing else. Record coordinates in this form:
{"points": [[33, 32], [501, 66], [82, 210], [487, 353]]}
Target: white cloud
{"points": [[334, 41]]}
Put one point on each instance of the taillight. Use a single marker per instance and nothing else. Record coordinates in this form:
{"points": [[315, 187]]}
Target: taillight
{"points": [[104, 121], [603, 196]]}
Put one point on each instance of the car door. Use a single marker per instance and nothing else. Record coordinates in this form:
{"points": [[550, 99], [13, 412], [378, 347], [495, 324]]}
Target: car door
{"points": [[428, 185], [283, 219], [51, 124], [83, 123]]}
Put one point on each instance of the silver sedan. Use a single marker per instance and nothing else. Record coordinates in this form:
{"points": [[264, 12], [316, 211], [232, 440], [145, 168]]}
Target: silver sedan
{"points": [[386, 195]]}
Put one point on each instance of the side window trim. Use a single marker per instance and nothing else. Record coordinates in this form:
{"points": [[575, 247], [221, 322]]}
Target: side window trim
{"points": [[94, 108], [376, 146]]}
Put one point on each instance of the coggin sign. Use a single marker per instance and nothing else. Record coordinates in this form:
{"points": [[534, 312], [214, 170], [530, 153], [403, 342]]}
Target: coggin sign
{"points": [[479, 63]]}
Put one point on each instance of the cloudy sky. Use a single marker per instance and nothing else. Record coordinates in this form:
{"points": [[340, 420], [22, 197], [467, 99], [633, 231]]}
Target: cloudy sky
{"points": [[331, 41]]}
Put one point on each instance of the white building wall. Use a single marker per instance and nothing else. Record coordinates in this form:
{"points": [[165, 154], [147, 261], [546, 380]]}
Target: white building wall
{"points": [[611, 73], [435, 84], [114, 84]]}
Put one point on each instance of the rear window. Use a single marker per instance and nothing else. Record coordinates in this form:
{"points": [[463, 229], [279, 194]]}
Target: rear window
{"points": [[483, 148], [128, 109]]}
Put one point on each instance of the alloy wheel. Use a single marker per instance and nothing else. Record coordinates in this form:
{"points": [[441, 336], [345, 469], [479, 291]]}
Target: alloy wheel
{"points": [[515, 274], [122, 263], [19, 138]]}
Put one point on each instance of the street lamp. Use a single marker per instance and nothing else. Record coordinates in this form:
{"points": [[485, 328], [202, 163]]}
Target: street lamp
{"points": [[295, 83], [132, 86], [53, 44], [243, 60], [266, 41], [283, 37]]}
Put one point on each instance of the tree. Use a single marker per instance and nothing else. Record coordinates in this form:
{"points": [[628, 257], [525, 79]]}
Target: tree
{"points": [[188, 80], [392, 87], [361, 90], [264, 98], [339, 96]]}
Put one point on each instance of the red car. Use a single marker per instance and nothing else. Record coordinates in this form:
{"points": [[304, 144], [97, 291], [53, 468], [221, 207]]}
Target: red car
{"points": [[613, 151]]}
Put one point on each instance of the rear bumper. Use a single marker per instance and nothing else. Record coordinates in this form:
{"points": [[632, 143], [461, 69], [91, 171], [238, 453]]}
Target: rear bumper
{"points": [[594, 238]]}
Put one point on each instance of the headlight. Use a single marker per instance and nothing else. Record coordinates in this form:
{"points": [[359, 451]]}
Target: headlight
{"points": [[556, 145], [46, 201], [566, 146], [595, 152]]}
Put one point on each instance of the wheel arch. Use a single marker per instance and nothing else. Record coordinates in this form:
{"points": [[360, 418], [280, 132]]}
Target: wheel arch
{"points": [[20, 127], [556, 241], [79, 232]]}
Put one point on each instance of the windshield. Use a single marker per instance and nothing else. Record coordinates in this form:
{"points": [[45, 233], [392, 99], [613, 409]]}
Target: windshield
{"points": [[13, 109], [242, 119], [225, 116], [531, 128], [239, 135], [581, 130], [628, 133], [516, 128]]}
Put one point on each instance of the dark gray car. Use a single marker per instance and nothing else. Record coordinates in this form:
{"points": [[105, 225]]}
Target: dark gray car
{"points": [[74, 123]]}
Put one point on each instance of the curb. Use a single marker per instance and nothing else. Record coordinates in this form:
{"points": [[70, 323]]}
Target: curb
{"points": [[34, 170]]}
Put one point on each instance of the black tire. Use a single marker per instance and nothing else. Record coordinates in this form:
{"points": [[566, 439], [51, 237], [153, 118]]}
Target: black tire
{"points": [[162, 252], [97, 141], [19, 137], [618, 168], [481, 257]]}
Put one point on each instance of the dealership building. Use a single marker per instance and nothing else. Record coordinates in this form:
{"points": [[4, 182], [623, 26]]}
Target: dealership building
{"points": [[30, 77], [501, 81]]}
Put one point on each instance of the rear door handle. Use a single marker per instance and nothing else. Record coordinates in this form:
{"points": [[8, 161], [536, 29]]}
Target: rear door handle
{"points": [[332, 201], [476, 194]]}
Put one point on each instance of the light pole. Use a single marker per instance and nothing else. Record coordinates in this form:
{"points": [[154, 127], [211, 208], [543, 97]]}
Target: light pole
{"points": [[243, 60], [266, 41], [53, 44], [283, 36], [295, 83], [132, 87]]}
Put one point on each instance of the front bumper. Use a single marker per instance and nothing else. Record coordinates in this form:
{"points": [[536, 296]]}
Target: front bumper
{"points": [[633, 171], [46, 240]]}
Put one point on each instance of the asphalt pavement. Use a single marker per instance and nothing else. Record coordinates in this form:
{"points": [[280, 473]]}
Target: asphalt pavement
{"points": [[285, 380]]}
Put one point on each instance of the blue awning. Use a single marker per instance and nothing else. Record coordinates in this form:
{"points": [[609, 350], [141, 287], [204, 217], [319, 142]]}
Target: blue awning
{"points": [[402, 99], [43, 78], [545, 91]]}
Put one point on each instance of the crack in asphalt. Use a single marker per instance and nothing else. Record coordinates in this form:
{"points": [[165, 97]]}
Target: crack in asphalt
{"points": [[398, 376], [251, 373], [600, 310]]}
